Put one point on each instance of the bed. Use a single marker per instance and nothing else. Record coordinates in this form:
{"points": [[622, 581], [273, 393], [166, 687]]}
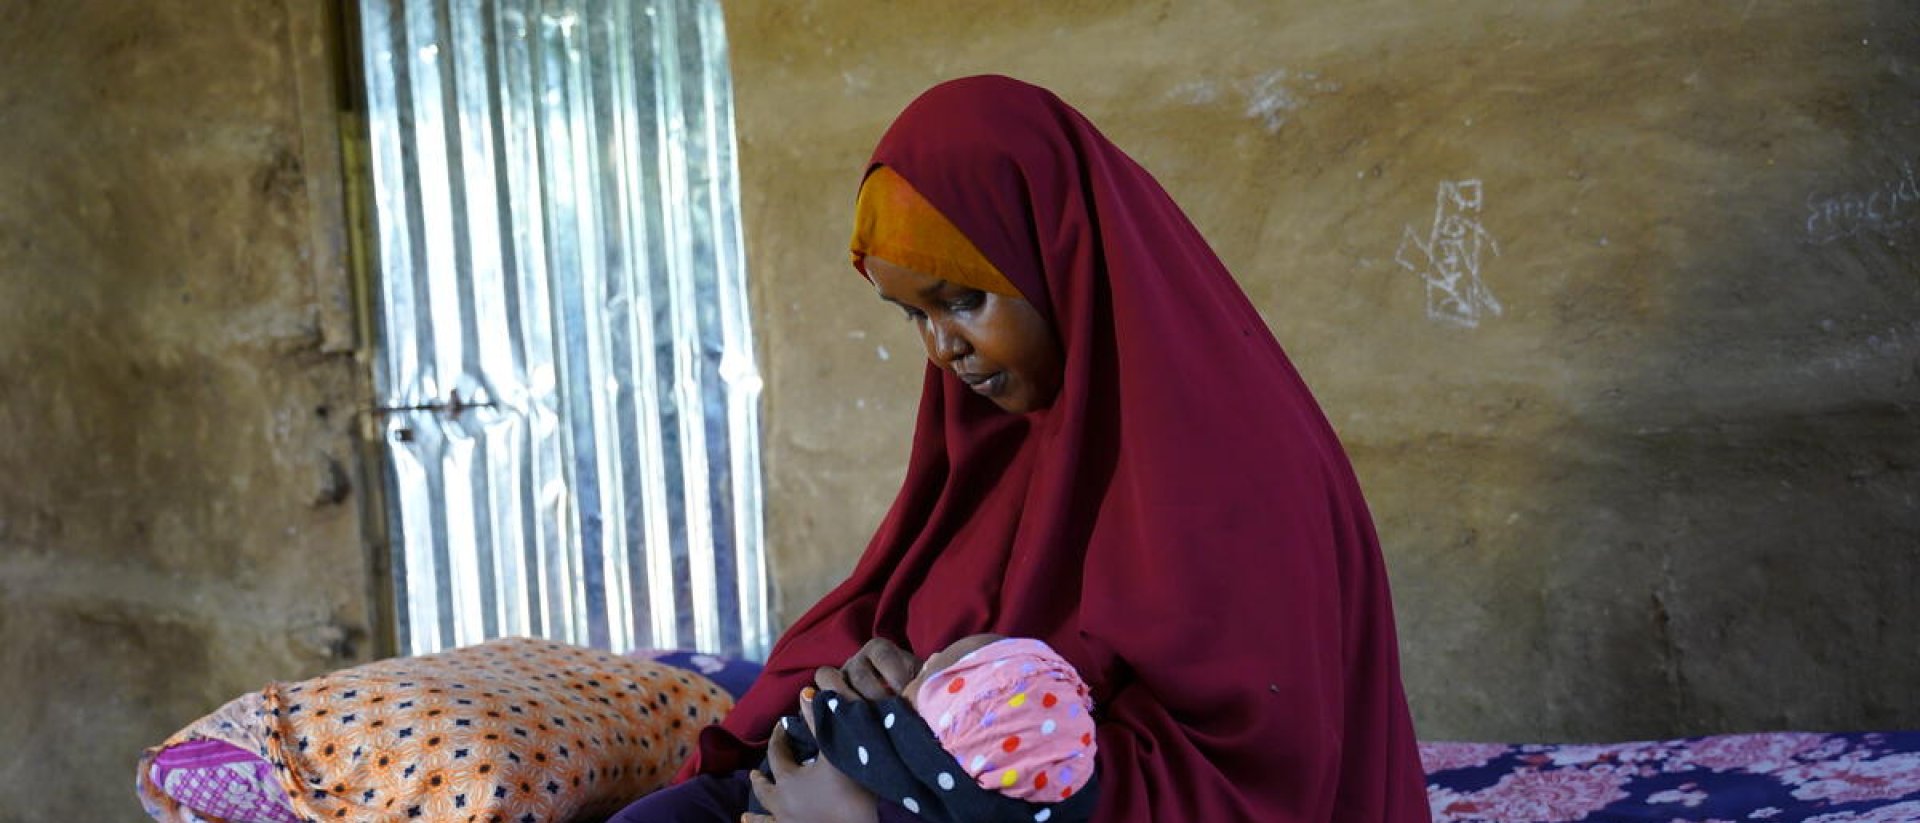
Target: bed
{"points": [[240, 763], [1783, 777]]}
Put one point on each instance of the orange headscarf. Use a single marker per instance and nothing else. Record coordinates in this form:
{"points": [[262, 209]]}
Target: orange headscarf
{"points": [[893, 222]]}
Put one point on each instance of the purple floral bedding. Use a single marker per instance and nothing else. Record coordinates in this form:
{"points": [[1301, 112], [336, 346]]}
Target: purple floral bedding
{"points": [[1786, 777]]}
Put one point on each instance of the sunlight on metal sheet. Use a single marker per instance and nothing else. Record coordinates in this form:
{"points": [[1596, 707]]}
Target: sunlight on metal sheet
{"points": [[566, 378]]}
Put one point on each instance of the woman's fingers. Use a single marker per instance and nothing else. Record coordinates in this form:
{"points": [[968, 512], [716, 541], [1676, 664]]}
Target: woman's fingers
{"points": [[865, 680], [779, 755], [896, 665], [764, 789], [763, 786], [830, 679], [814, 793], [880, 669], [806, 713]]}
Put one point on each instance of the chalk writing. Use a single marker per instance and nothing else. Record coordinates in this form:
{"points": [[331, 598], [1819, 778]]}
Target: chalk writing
{"points": [[1448, 258], [1892, 204]]}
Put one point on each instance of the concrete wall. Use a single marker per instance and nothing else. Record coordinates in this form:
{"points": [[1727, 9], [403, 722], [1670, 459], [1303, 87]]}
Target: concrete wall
{"points": [[178, 518], [1669, 489]]}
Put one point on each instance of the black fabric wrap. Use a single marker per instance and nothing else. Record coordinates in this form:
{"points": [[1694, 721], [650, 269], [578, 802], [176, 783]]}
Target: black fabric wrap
{"points": [[904, 764]]}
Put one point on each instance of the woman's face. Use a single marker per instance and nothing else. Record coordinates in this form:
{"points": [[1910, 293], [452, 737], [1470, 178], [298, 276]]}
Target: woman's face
{"points": [[998, 345]]}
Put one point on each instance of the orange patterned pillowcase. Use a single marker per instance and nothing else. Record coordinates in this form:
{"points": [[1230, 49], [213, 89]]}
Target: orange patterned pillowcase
{"points": [[515, 731]]}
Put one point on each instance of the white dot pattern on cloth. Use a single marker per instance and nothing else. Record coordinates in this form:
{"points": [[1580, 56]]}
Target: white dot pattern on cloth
{"points": [[946, 781], [833, 704], [946, 720], [1048, 727], [911, 804], [979, 762], [889, 721], [1043, 815], [863, 755]]}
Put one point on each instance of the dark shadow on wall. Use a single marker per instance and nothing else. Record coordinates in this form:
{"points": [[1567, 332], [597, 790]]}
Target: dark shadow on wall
{"points": [[1770, 417], [1774, 414]]}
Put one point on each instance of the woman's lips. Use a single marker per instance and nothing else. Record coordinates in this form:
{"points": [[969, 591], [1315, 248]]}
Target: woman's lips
{"points": [[986, 385]]}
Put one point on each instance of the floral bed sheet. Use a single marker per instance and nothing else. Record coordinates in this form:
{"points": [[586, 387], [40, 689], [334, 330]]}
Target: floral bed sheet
{"points": [[1787, 777]]}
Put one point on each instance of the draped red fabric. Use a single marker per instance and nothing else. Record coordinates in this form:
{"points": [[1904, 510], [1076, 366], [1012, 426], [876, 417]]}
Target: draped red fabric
{"points": [[1181, 524]]}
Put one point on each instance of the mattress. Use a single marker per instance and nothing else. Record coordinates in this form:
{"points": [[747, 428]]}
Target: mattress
{"points": [[1783, 777]]}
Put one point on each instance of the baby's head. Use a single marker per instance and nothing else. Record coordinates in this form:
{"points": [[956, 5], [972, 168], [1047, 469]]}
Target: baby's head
{"points": [[1013, 712]]}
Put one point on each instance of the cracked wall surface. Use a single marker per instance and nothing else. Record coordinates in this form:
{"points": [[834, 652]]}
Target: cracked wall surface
{"points": [[178, 517]]}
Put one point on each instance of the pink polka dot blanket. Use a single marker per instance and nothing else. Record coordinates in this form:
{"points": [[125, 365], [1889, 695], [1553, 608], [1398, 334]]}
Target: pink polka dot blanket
{"points": [[1784, 777], [519, 729], [1017, 718]]}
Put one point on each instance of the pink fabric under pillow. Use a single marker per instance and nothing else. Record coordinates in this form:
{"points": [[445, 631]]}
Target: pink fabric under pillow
{"points": [[222, 780]]}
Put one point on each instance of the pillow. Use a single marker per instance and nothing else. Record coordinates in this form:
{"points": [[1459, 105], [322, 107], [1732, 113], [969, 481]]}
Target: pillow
{"points": [[509, 731]]}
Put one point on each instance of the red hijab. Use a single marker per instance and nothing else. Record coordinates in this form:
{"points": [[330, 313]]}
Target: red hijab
{"points": [[1181, 524]]}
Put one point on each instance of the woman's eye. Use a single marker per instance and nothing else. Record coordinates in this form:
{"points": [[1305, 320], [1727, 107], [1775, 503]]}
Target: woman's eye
{"points": [[967, 302], [912, 313]]}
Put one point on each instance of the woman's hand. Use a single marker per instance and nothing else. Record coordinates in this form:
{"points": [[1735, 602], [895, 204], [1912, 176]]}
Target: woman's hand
{"points": [[815, 792], [880, 669]]}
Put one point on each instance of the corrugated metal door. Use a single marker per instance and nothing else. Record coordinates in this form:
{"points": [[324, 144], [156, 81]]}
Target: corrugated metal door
{"points": [[567, 390]]}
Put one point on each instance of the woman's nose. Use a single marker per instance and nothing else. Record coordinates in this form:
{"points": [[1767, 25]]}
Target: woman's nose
{"points": [[945, 344]]}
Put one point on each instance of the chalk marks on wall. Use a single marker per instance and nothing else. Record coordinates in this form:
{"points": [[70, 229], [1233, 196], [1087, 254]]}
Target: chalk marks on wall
{"points": [[1894, 202], [1268, 98], [1448, 258]]}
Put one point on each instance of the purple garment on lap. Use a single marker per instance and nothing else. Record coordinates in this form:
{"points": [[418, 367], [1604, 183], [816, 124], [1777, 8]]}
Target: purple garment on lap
{"points": [[704, 799], [710, 799]]}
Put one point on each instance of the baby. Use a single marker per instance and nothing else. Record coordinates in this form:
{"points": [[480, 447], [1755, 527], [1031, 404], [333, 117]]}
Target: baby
{"points": [[992, 728]]}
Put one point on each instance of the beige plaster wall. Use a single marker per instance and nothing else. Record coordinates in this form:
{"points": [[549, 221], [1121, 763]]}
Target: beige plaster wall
{"points": [[178, 510], [1669, 489]]}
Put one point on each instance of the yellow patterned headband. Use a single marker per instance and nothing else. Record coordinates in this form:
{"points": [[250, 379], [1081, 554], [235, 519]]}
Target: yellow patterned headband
{"points": [[893, 222]]}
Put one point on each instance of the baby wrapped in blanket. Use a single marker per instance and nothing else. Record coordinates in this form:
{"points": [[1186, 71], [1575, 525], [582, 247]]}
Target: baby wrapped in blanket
{"points": [[993, 728]]}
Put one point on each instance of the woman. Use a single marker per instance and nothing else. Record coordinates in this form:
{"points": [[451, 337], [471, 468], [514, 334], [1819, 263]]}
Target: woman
{"points": [[1114, 456]]}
